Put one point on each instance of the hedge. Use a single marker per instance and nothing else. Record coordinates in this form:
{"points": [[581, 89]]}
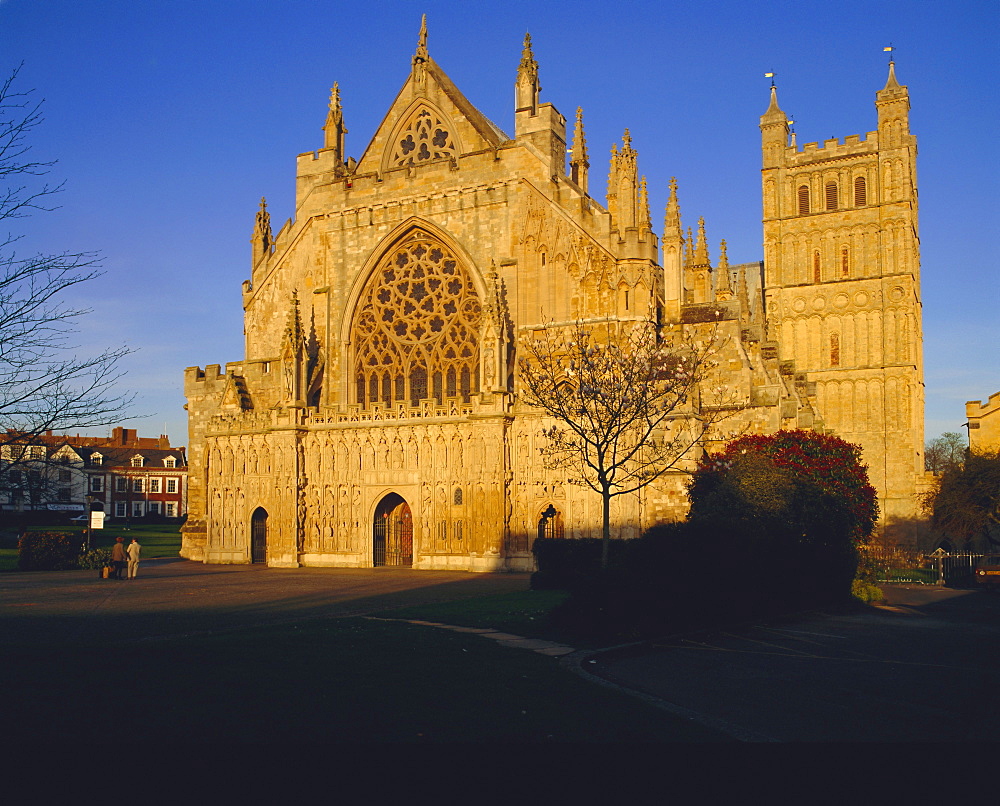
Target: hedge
{"points": [[48, 551]]}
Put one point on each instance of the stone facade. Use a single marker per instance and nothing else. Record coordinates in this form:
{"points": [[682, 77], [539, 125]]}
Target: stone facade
{"points": [[984, 424], [376, 417]]}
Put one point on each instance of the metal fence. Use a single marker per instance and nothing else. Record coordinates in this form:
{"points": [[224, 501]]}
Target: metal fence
{"points": [[937, 568]]}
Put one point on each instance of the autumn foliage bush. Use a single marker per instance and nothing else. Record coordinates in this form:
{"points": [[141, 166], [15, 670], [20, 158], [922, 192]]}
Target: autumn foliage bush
{"points": [[775, 525]]}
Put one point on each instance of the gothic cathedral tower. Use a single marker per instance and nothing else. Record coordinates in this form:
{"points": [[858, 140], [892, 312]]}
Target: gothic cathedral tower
{"points": [[842, 284]]}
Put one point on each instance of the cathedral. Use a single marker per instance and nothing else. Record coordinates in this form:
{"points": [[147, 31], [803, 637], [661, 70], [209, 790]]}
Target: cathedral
{"points": [[377, 416]]}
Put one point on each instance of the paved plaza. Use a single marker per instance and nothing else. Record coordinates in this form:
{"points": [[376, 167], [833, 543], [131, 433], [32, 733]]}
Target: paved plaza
{"points": [[178, 597]]}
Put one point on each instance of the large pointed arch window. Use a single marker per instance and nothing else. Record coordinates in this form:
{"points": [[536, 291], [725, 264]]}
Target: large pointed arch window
{"points": [[416, 328]]}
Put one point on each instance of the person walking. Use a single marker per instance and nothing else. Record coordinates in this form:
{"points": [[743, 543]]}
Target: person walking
{"points": [[133, 558], [118, 557]]}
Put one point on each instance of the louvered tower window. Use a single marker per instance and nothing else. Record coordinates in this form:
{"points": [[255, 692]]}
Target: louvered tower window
{"points": [[831, 195], [803, 199], [860, 192]]}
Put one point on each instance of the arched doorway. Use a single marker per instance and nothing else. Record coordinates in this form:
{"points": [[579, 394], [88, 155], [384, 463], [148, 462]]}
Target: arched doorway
{"points": [[258, 536], [392, 532], [550, 523]]}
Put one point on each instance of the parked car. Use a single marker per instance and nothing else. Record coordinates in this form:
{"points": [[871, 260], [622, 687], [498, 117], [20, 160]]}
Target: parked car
{"points": [[988, 572], [85, 518]]}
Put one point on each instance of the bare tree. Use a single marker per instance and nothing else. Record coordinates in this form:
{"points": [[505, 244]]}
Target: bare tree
{"points": [[627, 406], [945, 452], [44, 384]]}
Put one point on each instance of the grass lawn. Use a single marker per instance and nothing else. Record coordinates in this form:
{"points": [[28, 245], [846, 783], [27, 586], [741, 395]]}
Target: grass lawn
{"points": [[157, 539], [338, 680], [523, 613]]}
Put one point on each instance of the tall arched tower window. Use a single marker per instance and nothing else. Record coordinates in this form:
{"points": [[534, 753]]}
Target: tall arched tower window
{"points": [[860, 192], [416, 328], [834, 349], [803, 199], [831, 195], [845, 262], [817, 274]]}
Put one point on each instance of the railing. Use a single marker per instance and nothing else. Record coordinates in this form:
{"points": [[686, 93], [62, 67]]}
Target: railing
{"points": [[937, 568]]}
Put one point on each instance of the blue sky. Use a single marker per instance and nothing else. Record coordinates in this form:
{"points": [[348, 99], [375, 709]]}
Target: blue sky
{"points": [[171, 120]]}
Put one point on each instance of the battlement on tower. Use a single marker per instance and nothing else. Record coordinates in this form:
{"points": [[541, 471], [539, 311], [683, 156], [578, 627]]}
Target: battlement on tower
{"points": [[850, 146]]}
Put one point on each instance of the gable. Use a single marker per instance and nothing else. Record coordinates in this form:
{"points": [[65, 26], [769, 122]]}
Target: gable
{"points": [[429, 120]]}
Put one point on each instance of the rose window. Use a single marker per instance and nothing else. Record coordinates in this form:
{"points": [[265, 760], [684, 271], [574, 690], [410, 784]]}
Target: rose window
{"points": [[426, 137], [416, 329]]}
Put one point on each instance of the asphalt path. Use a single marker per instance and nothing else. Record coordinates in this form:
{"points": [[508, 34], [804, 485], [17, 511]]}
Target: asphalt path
{"points": [[177, 597], [925, 667]]}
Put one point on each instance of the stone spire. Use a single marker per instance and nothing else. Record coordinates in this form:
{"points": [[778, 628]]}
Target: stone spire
{"points": [[262, 239], [578, 163], [334, 129], [672, 217], [723, 286], [623, 186], [773, 131], [421, 57], [743, 293], [673, 255], [293, 349], [645, 219], [688, 244], [701, 246], [527, 88], [893, 105]]}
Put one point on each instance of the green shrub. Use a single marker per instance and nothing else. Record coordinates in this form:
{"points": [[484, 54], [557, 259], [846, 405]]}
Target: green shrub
{"points": [[866, 592], [95, 558], [48, 551]]}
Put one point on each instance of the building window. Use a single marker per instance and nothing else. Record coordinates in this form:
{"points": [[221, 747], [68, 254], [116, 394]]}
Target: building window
{"points": [[96, 459], [831, 195], [36, 452], [817, 274], [860, 192], [65, 475], [137, 509], [458, 495], [845, 263], [120, 510], [171, 509], [154, 485], [137, 461], [121, 485], [63, 494], [96, 484], [154, 507], [170, 461], [137, 485], [803, 199], [171, 485], [834, 349], [418, 316], [427, 137]]}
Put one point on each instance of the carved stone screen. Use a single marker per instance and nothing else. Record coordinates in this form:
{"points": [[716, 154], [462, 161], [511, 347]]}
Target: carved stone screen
{"points": [[426, 137], [416, 330]]}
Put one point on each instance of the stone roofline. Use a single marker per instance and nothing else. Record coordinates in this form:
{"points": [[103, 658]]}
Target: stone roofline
{"points": [[976, 408]]}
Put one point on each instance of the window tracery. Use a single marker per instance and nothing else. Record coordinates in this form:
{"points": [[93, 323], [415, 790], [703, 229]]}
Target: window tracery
{"points": [[427, 137], [416, 330]]}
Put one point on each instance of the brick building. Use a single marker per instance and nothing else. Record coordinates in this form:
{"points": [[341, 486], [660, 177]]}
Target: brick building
{"points": [[125, 475]]}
